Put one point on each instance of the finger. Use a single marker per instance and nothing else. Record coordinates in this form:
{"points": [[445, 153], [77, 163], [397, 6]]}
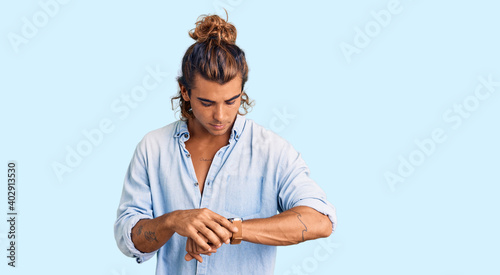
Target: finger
{"points": [[189, 256], [216, 228], [198, 249], [222, 233], [212, 237], [189, 245], [225, 223], [197, 257], [200, 241], [212, 249], [192, 248]]}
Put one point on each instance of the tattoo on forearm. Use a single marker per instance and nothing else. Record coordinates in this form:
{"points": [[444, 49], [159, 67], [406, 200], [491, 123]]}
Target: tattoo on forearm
{"points": [[298, 217], [150, 236], [138, 231]]}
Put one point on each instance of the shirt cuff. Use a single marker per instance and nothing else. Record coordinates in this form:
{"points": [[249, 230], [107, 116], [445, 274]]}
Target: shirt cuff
{"points": [[140, 256], [323, 207]]}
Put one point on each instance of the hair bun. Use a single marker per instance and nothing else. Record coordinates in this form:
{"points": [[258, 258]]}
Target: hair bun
{"points": [[213, 27]]}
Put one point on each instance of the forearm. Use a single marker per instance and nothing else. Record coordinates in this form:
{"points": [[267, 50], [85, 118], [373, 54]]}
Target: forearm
{"points": [[202, 225], [149, 235], [293, 226]]}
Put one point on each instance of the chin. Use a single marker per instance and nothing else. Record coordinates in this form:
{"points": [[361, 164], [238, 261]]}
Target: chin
{"points": [[218, 133]]}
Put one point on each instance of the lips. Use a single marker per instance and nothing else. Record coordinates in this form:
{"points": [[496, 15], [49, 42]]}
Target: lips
{"points": [[218, 127]]}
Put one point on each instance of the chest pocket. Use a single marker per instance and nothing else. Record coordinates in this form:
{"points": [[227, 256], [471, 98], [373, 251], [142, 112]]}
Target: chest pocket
{"points": [[243, 195]]}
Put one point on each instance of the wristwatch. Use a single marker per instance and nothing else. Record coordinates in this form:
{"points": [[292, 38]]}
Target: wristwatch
{"points": [[238, 236]]}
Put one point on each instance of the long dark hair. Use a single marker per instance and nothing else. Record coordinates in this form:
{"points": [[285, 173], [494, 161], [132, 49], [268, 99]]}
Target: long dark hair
{"points": [[215, 57]]}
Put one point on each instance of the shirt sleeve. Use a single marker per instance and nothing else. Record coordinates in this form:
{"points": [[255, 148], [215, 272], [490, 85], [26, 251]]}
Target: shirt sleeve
{"points": [[135, 204], [296, 188]]}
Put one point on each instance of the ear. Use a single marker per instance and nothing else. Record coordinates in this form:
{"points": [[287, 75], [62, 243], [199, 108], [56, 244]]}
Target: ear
{"points": [[184, 92]]}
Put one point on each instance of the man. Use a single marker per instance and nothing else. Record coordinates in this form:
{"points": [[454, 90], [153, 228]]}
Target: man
{"points": [[187, 179]]}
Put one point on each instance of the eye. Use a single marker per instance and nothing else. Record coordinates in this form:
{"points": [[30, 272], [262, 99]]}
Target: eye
{"points": [[231, 103], [206, 105]]}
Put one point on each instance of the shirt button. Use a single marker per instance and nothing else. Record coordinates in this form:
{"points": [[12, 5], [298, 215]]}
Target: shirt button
{"points": [[237, 136], [185, 135], [188, 155], [195, 184]]}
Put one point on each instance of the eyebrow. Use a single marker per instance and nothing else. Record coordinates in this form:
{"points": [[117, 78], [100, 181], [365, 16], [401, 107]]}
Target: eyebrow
{"points": [[211, 101]]}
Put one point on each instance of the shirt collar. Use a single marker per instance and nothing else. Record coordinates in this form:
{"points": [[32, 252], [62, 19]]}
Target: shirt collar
{"points": [[181, 129], [238, 126], [239, 123]]}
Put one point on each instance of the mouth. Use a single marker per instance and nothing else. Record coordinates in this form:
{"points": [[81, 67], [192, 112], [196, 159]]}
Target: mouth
{"points": [[217, 126]]}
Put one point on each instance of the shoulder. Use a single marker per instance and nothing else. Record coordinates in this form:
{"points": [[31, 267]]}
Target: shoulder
{"points": [[161, 136], [261, 131], [264, 137]]}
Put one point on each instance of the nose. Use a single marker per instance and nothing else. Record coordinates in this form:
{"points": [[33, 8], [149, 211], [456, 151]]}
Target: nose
{"points": [[219, 113]]}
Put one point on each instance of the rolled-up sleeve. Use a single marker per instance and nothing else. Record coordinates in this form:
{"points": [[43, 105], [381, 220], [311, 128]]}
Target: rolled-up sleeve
{"points": [[296, 188], [135, 204]]}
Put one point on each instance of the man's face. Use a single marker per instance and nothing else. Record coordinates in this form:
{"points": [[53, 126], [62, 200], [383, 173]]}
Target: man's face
{"points": [[214, 106]]}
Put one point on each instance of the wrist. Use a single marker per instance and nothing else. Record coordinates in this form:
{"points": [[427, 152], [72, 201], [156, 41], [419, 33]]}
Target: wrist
{"points": [[168, 221], [237, 237], [243, 229]]}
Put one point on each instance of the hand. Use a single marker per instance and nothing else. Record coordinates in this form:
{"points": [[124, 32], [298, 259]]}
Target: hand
{"points": [[194, 251], [212, 227]]}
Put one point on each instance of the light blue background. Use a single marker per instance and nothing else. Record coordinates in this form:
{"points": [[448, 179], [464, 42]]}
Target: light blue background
{"points": [[351, 122]]}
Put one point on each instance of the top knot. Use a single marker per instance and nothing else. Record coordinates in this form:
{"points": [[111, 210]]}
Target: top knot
{"points": [[213, 27]]}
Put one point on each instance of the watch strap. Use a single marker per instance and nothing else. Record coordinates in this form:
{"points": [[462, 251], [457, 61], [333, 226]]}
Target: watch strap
{"points": [[238, 236]]}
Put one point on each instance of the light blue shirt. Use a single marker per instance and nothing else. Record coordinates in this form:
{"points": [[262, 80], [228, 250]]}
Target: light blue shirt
{"points": [[256, 175]]}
